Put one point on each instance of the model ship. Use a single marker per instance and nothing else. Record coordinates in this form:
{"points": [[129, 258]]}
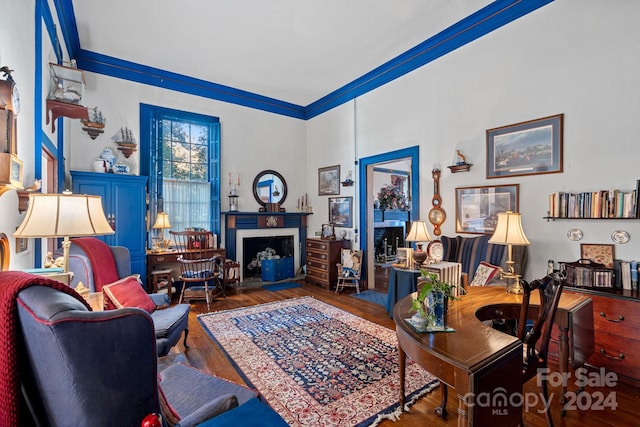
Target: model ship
{"points": [[125, 140], [94, 125]]}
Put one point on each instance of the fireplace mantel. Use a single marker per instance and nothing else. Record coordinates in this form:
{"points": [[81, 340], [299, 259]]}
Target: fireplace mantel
{"points": [[235, 221]]}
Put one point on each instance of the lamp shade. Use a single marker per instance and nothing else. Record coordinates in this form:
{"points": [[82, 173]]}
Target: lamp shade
{"points": [[418, 232], [509, 230], [64, 215], [162, 221]]}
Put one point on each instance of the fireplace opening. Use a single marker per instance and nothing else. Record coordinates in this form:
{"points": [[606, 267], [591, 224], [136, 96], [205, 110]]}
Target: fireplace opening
{"points": [[257, 249], [387, 238]]}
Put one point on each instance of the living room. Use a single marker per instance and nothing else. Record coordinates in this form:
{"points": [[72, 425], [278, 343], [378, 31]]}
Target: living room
{"points": [[570, 58]]}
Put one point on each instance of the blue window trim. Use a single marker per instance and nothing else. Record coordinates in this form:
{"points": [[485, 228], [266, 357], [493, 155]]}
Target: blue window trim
{"points": [[150, 119]]}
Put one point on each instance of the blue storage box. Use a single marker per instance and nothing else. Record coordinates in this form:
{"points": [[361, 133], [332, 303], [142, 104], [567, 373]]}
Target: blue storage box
{"points": [[274, 270]]}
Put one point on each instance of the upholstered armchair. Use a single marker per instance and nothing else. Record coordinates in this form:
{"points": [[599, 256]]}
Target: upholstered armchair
{"points": [[99, 368], [98, 266]]}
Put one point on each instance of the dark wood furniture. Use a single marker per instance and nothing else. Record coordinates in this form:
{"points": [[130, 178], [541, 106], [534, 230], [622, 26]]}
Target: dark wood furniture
{"points": [[616, 316], [168, 259], [322, 257], [477, 359]]}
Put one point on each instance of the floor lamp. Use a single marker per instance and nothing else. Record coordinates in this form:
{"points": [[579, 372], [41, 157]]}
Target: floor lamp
{"points": [[509, 232], [63, 215], [418, 233]]}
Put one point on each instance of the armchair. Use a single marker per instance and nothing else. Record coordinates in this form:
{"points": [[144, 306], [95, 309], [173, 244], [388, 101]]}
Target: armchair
{"points": [[73, 369], [96, 264]]}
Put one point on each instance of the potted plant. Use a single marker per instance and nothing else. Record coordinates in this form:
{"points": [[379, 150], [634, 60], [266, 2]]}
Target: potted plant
{"points": [[431, 302]]}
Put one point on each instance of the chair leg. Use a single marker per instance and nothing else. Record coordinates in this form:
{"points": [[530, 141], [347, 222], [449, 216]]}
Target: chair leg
{"points": [[545, 396], [186, 332], [184, 286], [206, 294], [357, 287], [441, 411]]}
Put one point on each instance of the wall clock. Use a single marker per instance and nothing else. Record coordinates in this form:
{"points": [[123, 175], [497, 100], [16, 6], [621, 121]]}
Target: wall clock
{"points": [[436, 215]]}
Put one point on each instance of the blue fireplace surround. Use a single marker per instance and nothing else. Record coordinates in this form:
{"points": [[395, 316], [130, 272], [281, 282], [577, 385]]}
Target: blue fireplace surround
{"points": [[235, 221]]}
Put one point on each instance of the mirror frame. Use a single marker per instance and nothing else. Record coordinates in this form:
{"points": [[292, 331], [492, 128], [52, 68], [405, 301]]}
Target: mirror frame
{"points": [[255, 187]]}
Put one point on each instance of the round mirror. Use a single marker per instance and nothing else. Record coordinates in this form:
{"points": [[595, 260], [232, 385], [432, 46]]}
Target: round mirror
{"points": [[269, 187]]}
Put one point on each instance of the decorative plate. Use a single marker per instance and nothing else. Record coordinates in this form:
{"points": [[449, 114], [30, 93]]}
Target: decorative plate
{"points": [[620, 236], [574, 234], [435, 251]]}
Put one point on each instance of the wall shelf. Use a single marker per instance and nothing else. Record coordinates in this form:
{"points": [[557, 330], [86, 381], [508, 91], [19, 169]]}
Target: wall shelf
{"points": [[64, 109]]}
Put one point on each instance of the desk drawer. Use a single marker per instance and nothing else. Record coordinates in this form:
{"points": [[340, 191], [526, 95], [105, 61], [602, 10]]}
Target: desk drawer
{"points": [[615, 316], [621, 355]]}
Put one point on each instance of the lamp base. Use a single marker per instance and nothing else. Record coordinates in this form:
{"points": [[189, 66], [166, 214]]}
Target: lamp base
{"points": [[516, 287], [419, 256]]}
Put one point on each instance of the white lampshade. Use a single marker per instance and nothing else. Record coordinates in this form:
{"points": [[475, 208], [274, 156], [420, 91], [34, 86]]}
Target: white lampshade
{"points": [[64, 215], [509, 230], [162, 221], [418, 232]]}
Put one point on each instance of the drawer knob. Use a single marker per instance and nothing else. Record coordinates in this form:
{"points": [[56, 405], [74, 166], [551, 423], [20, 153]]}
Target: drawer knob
{"points": [[160, 259], [499, 313], [603, 352], [611, 319]]}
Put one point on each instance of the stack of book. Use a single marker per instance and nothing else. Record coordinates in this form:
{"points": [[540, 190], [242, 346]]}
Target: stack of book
{"points": [[626, 274]]}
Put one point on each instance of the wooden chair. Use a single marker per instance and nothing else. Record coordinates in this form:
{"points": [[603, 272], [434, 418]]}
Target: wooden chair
{"points": [[534, 325], [349, 270], [201, 270]]}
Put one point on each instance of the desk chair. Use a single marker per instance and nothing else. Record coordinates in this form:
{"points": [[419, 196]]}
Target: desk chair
{"points": [[534, 330], [201, 270]]}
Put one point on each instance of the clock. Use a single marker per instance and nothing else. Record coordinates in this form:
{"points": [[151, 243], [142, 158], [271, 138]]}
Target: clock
{"points": [[436, 215], [9, 107]]}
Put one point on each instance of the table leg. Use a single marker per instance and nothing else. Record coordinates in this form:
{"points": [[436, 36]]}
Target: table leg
{"points": [[463, 414], [563, 364], [402, 362]]}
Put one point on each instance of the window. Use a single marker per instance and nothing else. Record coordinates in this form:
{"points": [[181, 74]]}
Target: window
{"points": [[183, 167]]}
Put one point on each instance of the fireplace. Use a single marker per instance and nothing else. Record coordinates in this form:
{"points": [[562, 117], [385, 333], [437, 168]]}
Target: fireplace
{"points": [[257, 249], [388, 236]]}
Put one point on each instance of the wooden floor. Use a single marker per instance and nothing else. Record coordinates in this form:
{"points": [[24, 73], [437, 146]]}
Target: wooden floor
{"points": [[205, 355]]}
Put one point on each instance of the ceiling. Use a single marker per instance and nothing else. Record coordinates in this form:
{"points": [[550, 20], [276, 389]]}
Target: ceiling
{"points": [[296, 51]]}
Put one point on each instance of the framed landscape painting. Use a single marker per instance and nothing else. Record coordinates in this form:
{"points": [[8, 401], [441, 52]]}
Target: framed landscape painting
{"points": [[528, 148], [329, 181], [477, 208], [340, 209]]}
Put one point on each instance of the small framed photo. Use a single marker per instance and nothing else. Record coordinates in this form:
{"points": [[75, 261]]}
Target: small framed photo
{"points": [[328, 232], [340, 211], [528, 148], [602, 254], [329, 181], [404, 257], [477, 208]]}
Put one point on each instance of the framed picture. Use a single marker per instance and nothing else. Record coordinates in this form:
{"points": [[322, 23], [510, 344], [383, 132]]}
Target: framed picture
{"points": [[404, 257], [328, 232], [528, 148], [340, 209], [602, 254], [329, 181], [477, 208]]}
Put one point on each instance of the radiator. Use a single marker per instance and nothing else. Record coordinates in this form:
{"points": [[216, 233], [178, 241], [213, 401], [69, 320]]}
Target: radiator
{"points": [[448, 272]]}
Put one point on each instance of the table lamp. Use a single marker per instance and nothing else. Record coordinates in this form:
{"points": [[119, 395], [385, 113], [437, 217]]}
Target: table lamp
{"points": [[418, 233], [162, 223], [509, 232], [63, 215]]}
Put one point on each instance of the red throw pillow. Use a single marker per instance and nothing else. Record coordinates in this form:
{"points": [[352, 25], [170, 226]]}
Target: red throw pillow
{"points": [[127, 292], [484, 274]]}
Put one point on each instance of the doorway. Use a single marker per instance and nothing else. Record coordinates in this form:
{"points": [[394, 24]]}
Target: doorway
{"points": [[370, 170]]}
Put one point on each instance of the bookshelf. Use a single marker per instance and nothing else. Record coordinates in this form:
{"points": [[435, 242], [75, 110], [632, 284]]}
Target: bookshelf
{"points": [[601, 204]]}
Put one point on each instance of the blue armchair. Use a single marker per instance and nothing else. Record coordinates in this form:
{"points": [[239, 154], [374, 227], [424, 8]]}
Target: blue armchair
{"points": [[75, 370], [169, 321]]}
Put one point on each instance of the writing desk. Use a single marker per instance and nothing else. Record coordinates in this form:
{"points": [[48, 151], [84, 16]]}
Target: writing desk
{"points": [[168, 260], [477, 359]]}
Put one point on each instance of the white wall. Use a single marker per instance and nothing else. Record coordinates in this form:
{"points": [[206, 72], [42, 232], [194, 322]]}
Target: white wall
{"points": [[572, 57]]}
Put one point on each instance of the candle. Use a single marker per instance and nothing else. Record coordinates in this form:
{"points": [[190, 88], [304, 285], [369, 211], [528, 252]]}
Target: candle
{"points": [[229, 179], [238, 178]]}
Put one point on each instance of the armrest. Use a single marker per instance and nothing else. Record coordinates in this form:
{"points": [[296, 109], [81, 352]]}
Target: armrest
{"points": [[160, 300], [215, 407]]}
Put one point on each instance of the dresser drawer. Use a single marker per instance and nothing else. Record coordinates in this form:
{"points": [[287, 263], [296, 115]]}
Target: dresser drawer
{"points": [[621, 355], [319, 275], [318, 256], [317, 265], [318, 245], [616, 316]]}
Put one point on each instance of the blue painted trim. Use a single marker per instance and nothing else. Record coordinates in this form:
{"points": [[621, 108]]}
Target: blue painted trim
{"points": [[67, 19], [414, 154], [476, 25], [103, 64], [50, 25]]}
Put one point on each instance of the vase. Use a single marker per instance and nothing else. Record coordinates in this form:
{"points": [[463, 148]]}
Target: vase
{"points": [[438, 304]]}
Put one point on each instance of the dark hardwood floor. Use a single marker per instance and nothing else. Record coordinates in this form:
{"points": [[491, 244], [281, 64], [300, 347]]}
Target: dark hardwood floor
{"points": [[206, 355]]}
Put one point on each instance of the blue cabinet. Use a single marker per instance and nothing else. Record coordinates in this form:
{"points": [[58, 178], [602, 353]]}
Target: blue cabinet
{"points": [[274, 270], [124, 203]]}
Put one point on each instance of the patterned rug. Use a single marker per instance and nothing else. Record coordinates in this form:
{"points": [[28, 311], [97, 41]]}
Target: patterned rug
{"points": [[315, 364]]}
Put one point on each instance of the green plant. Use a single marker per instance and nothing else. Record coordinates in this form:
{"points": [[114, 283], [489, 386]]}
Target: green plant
{"points": [[431, 284]]}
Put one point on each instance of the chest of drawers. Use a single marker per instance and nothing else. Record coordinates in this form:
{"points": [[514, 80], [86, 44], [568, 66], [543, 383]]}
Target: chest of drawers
{"points": [[322, 257]]}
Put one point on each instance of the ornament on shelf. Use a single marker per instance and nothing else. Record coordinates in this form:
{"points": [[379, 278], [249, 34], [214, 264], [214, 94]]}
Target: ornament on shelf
{"points": [[461, 164], [126, 142], [94, 124]]}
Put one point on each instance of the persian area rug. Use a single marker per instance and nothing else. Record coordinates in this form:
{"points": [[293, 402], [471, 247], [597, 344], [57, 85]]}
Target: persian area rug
{"points": [[372, 296], [315, 364]]}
